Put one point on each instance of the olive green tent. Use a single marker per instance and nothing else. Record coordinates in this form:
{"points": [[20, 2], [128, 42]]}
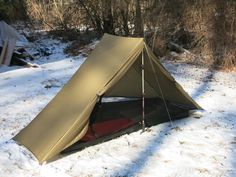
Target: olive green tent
{"points": [[113, 69]]}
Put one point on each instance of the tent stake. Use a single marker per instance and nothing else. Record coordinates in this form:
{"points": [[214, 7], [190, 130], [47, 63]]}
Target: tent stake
{"points": [[143, 95]]}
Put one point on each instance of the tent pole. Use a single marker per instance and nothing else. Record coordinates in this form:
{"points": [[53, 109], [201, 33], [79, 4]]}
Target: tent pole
{"points": [[143, 94]]}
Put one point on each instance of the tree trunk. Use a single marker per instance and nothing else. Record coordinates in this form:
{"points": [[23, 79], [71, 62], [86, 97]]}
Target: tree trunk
{"points": [[107, 17], [124, 15], [138, 19]]}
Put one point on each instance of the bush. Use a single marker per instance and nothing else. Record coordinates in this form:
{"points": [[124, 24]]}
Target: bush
{"points": [[206, 28], [11, 11]]}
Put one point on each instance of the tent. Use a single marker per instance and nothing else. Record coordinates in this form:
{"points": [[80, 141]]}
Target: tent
{"points": [[78, 116], [9, 38]]}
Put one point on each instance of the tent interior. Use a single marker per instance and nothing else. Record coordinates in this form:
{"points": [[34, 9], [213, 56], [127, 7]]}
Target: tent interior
{"points": [[111, 118]]}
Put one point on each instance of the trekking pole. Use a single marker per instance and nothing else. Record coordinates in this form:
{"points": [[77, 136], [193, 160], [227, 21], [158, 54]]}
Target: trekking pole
{"points": [[143, 95]]}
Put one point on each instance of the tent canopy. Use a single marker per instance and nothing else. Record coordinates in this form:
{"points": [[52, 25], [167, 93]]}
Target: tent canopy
{"points": [[112, 69]]}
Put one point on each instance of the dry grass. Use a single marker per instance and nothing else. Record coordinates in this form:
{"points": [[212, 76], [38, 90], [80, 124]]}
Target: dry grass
{"points": [[206, 28], [55, 14]]}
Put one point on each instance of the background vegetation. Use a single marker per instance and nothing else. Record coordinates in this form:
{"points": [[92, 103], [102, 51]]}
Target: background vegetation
{"points": [[206, 28]]}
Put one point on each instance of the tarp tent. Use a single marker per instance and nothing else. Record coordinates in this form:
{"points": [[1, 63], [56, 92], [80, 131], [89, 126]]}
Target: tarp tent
{"points": [[113, 69], [9, 38]]}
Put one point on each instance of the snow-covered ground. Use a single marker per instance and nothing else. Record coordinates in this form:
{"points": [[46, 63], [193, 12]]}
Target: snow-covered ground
{"points": [[193, 147]]}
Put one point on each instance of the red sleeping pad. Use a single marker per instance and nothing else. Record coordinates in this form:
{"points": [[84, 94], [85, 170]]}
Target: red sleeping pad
{"points": [[100, 129]]}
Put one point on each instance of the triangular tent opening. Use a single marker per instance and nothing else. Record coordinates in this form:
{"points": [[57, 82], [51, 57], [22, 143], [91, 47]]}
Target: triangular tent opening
{"points": [[81, 113]]}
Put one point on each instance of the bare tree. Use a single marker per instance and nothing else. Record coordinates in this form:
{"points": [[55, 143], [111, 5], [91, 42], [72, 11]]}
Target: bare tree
{"points": [[107, 17], [138, 19]]}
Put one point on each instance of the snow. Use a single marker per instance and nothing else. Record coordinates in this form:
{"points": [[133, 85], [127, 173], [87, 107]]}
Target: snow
{"points": [[202, 145]]}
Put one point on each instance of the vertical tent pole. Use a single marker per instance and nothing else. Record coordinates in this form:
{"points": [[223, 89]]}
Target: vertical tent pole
{"points": [[143, 94]]}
